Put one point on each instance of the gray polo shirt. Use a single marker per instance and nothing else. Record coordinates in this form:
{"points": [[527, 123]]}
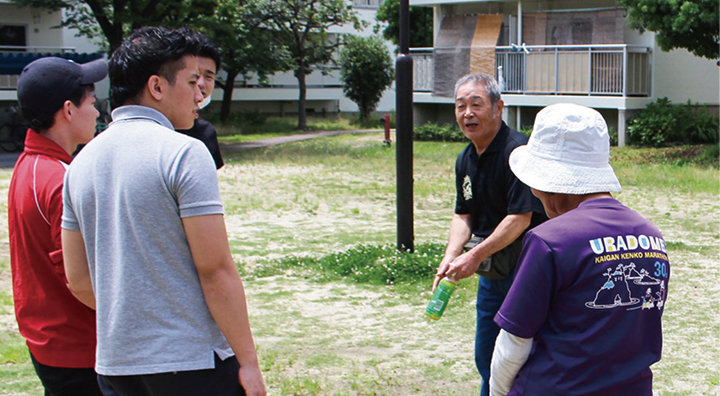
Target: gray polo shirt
{"points": [[127, 192]]}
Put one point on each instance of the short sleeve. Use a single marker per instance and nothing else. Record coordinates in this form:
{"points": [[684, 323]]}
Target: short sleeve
{"points": [[69, 218], [194, 181], [519, 196], [527, 304]]}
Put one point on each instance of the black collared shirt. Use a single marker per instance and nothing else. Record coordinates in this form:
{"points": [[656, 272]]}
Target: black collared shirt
{"points": [[205, 132], [487, 189]]}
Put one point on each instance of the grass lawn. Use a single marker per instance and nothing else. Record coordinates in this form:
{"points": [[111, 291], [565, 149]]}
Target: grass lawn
{"points": [[240, 131], [320, 335]]}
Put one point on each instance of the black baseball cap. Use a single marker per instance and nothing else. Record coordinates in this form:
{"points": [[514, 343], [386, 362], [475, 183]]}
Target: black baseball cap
{"points": [[46, 83]]}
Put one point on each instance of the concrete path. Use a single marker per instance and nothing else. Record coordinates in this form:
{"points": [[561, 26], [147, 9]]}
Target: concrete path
{"points": [[289, 138]]}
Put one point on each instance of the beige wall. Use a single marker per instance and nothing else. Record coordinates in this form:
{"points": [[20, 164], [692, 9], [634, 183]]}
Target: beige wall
{"points": [[679, 76], [38, 30]]}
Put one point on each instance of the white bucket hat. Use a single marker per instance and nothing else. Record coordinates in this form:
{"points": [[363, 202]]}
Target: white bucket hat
{"points": [[568, 152]]}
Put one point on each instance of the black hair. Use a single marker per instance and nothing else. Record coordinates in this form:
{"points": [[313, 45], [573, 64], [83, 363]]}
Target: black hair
{"points": [[41, 122], [149, 51], [209, 50]]}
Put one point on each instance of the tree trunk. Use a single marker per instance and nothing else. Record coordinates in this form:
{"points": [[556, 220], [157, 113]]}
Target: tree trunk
{"points": [[364, 112], [227, 94], [115, 39], [302, 117], [110, 25]]}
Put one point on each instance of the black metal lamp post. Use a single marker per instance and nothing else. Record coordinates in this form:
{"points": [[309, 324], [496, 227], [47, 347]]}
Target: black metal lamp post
{"points": [[404, 134]]}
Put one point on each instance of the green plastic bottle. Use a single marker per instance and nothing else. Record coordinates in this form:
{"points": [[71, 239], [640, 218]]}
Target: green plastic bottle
{"points": [[440, 298]]}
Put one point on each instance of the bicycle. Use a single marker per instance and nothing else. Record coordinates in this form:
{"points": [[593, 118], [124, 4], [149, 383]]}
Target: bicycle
{"points": [[12, 131]]}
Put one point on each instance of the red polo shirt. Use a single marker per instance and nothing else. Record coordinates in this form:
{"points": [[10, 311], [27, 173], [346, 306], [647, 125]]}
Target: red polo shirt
{"points": [[59, 329]]}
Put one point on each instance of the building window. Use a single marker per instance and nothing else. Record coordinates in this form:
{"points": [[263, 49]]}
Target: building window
{"points": [[12, 36], [367, 3]]}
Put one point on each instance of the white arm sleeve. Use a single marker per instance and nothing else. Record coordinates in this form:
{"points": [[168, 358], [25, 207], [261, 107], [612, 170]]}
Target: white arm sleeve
{"points": [[510, 353]]}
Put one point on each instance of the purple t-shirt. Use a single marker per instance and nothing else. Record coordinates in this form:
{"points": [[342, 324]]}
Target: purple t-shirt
{"points": [[590, 289]]}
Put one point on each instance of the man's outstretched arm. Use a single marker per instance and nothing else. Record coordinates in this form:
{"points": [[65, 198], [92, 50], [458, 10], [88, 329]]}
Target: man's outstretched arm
{"points": [[509, 229]]}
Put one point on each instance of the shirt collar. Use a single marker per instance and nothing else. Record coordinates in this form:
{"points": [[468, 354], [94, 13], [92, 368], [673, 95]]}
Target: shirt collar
{"points": [[136, 112], [35, 143], [498, 142], [599, 202]]}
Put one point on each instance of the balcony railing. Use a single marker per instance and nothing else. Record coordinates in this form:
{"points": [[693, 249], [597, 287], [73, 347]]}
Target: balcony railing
{"points": [[609, 70], [34, 49], [367, 3], [14, 58]]}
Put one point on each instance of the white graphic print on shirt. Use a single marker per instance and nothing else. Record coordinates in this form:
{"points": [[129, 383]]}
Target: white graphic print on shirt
{"points": [[626, 285]]}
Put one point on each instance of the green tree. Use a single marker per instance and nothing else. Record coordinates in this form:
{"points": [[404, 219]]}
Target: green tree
{"points": [[421, 23], [246, 46], [366, 71], [690, 24], [301, 26], [109, 21]]}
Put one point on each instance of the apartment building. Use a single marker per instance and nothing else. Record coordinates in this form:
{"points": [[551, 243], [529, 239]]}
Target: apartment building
{"points": [[549, 51], [29, 33]]}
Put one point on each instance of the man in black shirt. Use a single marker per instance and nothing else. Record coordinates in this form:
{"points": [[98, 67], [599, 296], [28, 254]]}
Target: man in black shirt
{"points": [[492, 206], [208, 61]]}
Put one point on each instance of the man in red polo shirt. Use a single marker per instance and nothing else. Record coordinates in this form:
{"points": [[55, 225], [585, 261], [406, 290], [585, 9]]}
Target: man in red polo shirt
{"points": [[56, 97]]}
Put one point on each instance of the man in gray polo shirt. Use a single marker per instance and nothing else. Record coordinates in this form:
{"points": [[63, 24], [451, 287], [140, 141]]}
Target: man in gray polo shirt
{"points": [[144, 238]]}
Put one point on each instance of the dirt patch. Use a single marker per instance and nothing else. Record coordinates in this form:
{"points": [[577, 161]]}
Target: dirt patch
{"points": [[341, 329]]}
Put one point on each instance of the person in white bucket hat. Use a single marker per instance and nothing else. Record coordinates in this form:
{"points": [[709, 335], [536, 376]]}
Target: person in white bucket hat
{"points": [[583, 316], [569, 154]]}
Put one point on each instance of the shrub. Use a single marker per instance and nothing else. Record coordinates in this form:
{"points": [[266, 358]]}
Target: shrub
{"points": [[613, 136], [705, 126], [240, 118], [439, 133], [252, 117], [654, 125], [612, 132], [526, 130], [662, 123]]}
